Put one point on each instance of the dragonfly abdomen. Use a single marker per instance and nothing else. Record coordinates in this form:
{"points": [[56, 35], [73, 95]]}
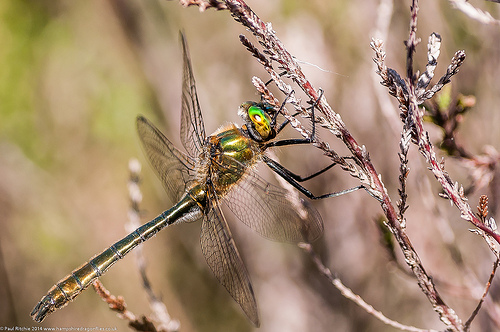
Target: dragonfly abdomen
{"points": [[73, 284]]}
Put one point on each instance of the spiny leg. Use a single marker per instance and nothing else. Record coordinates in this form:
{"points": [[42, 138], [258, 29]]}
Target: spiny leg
{"points": [[275, 116], [299, 141], [294, 180], [300, 178], [271, 80], [312, 138], [294, 141]]}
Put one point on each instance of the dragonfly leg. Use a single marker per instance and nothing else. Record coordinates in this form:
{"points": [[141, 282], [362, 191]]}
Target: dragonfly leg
{"points": [[275, 116], [294, 180], [271, 80], [313, 119], [300, 178]]}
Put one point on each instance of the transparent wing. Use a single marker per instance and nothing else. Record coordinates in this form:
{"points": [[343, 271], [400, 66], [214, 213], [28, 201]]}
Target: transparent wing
{"points": [[175, 169], [192, 128], [269, 211], [223, 258]]}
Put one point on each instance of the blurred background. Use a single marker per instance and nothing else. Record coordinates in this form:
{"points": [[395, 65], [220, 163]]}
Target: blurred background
{"points": [[75, 74]]}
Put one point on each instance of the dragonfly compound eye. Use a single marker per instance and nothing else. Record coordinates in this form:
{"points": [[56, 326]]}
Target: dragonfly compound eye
{"points": [[260, 120]]}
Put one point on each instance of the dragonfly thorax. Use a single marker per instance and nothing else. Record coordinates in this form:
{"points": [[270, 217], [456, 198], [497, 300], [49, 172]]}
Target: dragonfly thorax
{"points": [[227, 154]]}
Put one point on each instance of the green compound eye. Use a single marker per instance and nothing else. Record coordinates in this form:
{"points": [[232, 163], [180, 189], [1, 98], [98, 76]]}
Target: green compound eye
{"points": [[261, 121]]}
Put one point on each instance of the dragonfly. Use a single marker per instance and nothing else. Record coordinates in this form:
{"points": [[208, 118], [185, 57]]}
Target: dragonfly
{"points": [[216, 169]]}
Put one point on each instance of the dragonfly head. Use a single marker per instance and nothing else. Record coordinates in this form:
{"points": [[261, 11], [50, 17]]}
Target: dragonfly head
{"points": [[259, 123]]}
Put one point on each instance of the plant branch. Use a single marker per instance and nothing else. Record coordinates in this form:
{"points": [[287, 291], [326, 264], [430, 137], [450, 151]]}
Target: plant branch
{"points": [[487, 288], [117, 303], [367, 174], [349, 294]]}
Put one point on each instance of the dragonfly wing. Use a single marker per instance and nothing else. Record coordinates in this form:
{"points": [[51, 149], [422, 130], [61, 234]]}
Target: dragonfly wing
{"points": [[224, 260], [175, 169], [269, 211], [192, 128]]}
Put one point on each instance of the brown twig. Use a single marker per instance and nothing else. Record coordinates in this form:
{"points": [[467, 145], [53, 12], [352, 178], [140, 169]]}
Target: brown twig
{"points": [[410, 95], [410, 98], [404, 170], [483, 215], [483, 297], [117, 304], [349, 294]]}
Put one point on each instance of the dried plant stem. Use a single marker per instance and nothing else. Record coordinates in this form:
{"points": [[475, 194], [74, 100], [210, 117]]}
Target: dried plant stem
{"points": [[487, 288], [348, 293], [117, 303], [453, 191], [409, 101], [411, 95], [416, 96], [367, 174], [404, 170]]}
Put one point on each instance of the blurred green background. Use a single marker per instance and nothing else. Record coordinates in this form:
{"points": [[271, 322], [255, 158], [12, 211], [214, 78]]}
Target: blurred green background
{"points": [[75, 74]]}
